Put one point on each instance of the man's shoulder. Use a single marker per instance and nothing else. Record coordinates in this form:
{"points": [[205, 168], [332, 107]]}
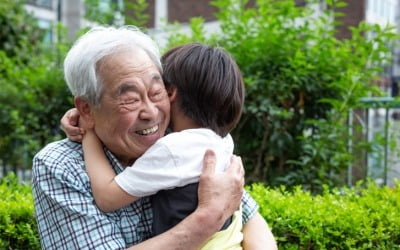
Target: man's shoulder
{"points": [[60, 160], [62, 150]]}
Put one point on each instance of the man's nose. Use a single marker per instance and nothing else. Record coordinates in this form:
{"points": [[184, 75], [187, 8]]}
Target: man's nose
{"points": [[149, 110]]}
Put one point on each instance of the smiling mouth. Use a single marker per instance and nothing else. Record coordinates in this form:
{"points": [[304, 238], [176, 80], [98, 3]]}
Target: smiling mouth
{"points": [[148, 131]]}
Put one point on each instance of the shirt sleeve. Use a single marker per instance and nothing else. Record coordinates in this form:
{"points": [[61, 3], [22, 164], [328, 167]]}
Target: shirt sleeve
{"points": [[250, 207], [155, 170], [65, 210]]}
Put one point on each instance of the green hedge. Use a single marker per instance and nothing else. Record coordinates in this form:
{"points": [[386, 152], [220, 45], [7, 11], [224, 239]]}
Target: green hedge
{"points": [[18, 228], [363, 217]]}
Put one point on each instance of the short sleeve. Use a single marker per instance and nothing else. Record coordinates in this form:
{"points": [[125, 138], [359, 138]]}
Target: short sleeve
{"points": [[250, 207], [155, 170], [65, 211]]}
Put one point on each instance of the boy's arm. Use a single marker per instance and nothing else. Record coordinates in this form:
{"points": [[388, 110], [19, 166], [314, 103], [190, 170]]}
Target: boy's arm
{"points": [[69, 124], [107, 193]]}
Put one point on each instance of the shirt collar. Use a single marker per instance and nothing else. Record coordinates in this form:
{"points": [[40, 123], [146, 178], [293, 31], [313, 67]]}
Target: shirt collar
{"points": [[116, 165]]}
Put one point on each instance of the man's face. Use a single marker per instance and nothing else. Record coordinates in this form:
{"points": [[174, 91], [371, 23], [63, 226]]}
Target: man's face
{"points": [[134, 107]]}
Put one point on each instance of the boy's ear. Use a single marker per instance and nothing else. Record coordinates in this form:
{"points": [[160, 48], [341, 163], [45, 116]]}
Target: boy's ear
{"points": [[172, 92], [85, 112]]}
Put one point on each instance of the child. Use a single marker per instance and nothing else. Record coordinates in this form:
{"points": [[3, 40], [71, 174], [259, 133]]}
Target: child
{"points": [[206, 90]]}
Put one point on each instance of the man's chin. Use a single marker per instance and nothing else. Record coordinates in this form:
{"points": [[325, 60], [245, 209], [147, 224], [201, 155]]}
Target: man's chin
{"points": [[148, 139]]}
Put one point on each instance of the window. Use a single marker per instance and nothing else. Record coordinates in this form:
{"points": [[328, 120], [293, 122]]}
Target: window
{"points": [[46, 25], [42, 3], [370, 5], [300, 2]]}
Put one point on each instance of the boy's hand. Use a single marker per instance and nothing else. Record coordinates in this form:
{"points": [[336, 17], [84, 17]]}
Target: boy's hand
{"points": [[69, 123]]}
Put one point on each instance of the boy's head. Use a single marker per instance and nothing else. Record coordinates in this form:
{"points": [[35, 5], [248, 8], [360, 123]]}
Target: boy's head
{"points": [[209, 85]]}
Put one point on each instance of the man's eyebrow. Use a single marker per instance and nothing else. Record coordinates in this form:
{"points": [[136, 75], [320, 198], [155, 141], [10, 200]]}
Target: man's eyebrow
{"points": [[126, 87]]}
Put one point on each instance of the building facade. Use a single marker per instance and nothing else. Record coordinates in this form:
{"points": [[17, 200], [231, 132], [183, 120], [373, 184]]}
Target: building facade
{"points": [[70, 13], [383, 13]]}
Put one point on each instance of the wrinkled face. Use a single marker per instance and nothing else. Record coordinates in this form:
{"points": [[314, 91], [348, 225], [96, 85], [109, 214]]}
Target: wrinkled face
{"points": [[134, 107]]}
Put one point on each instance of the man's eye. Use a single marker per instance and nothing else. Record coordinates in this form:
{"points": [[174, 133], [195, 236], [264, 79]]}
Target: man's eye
{"points": [[129, 103], [158, 95], [132, 101]]}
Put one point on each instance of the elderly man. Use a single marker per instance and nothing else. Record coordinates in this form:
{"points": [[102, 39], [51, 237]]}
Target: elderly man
{"points": [[115, 77]]}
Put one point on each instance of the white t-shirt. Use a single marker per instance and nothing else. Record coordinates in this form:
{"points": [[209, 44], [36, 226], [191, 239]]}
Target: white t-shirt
{"points": [[175, 160]]}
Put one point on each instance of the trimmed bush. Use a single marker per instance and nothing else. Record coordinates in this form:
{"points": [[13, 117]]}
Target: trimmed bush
{"points": [[363, 217], [18, 228]]}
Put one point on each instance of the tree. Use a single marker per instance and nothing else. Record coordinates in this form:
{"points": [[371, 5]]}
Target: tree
{"points": [[114, 12], [33, 94], [301, 83], [19, 31]]}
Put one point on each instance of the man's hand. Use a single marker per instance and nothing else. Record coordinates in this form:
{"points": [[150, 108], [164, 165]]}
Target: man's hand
{"points": [[220, 193], [69, 123]]}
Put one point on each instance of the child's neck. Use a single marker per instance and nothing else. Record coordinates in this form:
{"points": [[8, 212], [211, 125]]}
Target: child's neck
{"points": [[181, 122]]}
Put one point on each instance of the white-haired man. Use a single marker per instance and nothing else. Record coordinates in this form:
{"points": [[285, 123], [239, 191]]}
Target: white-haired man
{"points": [[115, 78]]}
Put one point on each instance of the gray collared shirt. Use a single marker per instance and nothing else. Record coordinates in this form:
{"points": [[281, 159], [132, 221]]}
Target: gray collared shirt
{"points": [[66, 212]]}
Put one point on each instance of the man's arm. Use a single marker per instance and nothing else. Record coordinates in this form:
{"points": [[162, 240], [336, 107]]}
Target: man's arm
{"points": [[66, 214], [257, 235], [219, 196]]}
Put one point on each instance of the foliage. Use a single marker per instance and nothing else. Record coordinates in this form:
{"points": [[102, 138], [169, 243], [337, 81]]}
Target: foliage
{"points": [[33, 93], [301, 83], [135, 13], [19, 30], [112, 13], [18, 229], [362, 217], [103, 12], [197, 34]]}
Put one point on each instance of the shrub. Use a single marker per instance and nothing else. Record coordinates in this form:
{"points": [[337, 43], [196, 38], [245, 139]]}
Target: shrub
{"points": [[301, 83], [362, 217], [19, 33], [18, 228], [33, 94]]}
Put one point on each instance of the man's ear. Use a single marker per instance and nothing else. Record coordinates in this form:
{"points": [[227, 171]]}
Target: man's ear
{"points": [[172, 92], [85, 111]]}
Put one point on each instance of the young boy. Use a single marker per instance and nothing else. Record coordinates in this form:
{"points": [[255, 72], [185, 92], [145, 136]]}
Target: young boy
{"points": [[206, 91]]}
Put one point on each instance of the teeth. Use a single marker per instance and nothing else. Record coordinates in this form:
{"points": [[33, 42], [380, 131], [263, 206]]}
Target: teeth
{"points": [[148, 130]]}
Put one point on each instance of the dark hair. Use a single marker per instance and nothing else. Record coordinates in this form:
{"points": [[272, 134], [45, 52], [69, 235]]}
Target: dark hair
{"points": [[209, 85]]}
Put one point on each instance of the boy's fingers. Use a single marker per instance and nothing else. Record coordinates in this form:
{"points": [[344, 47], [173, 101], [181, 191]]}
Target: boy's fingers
{"points": [[71, 117]]}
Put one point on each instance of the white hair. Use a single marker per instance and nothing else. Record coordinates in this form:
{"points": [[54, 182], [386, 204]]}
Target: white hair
{"points": [[81, 61]]}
